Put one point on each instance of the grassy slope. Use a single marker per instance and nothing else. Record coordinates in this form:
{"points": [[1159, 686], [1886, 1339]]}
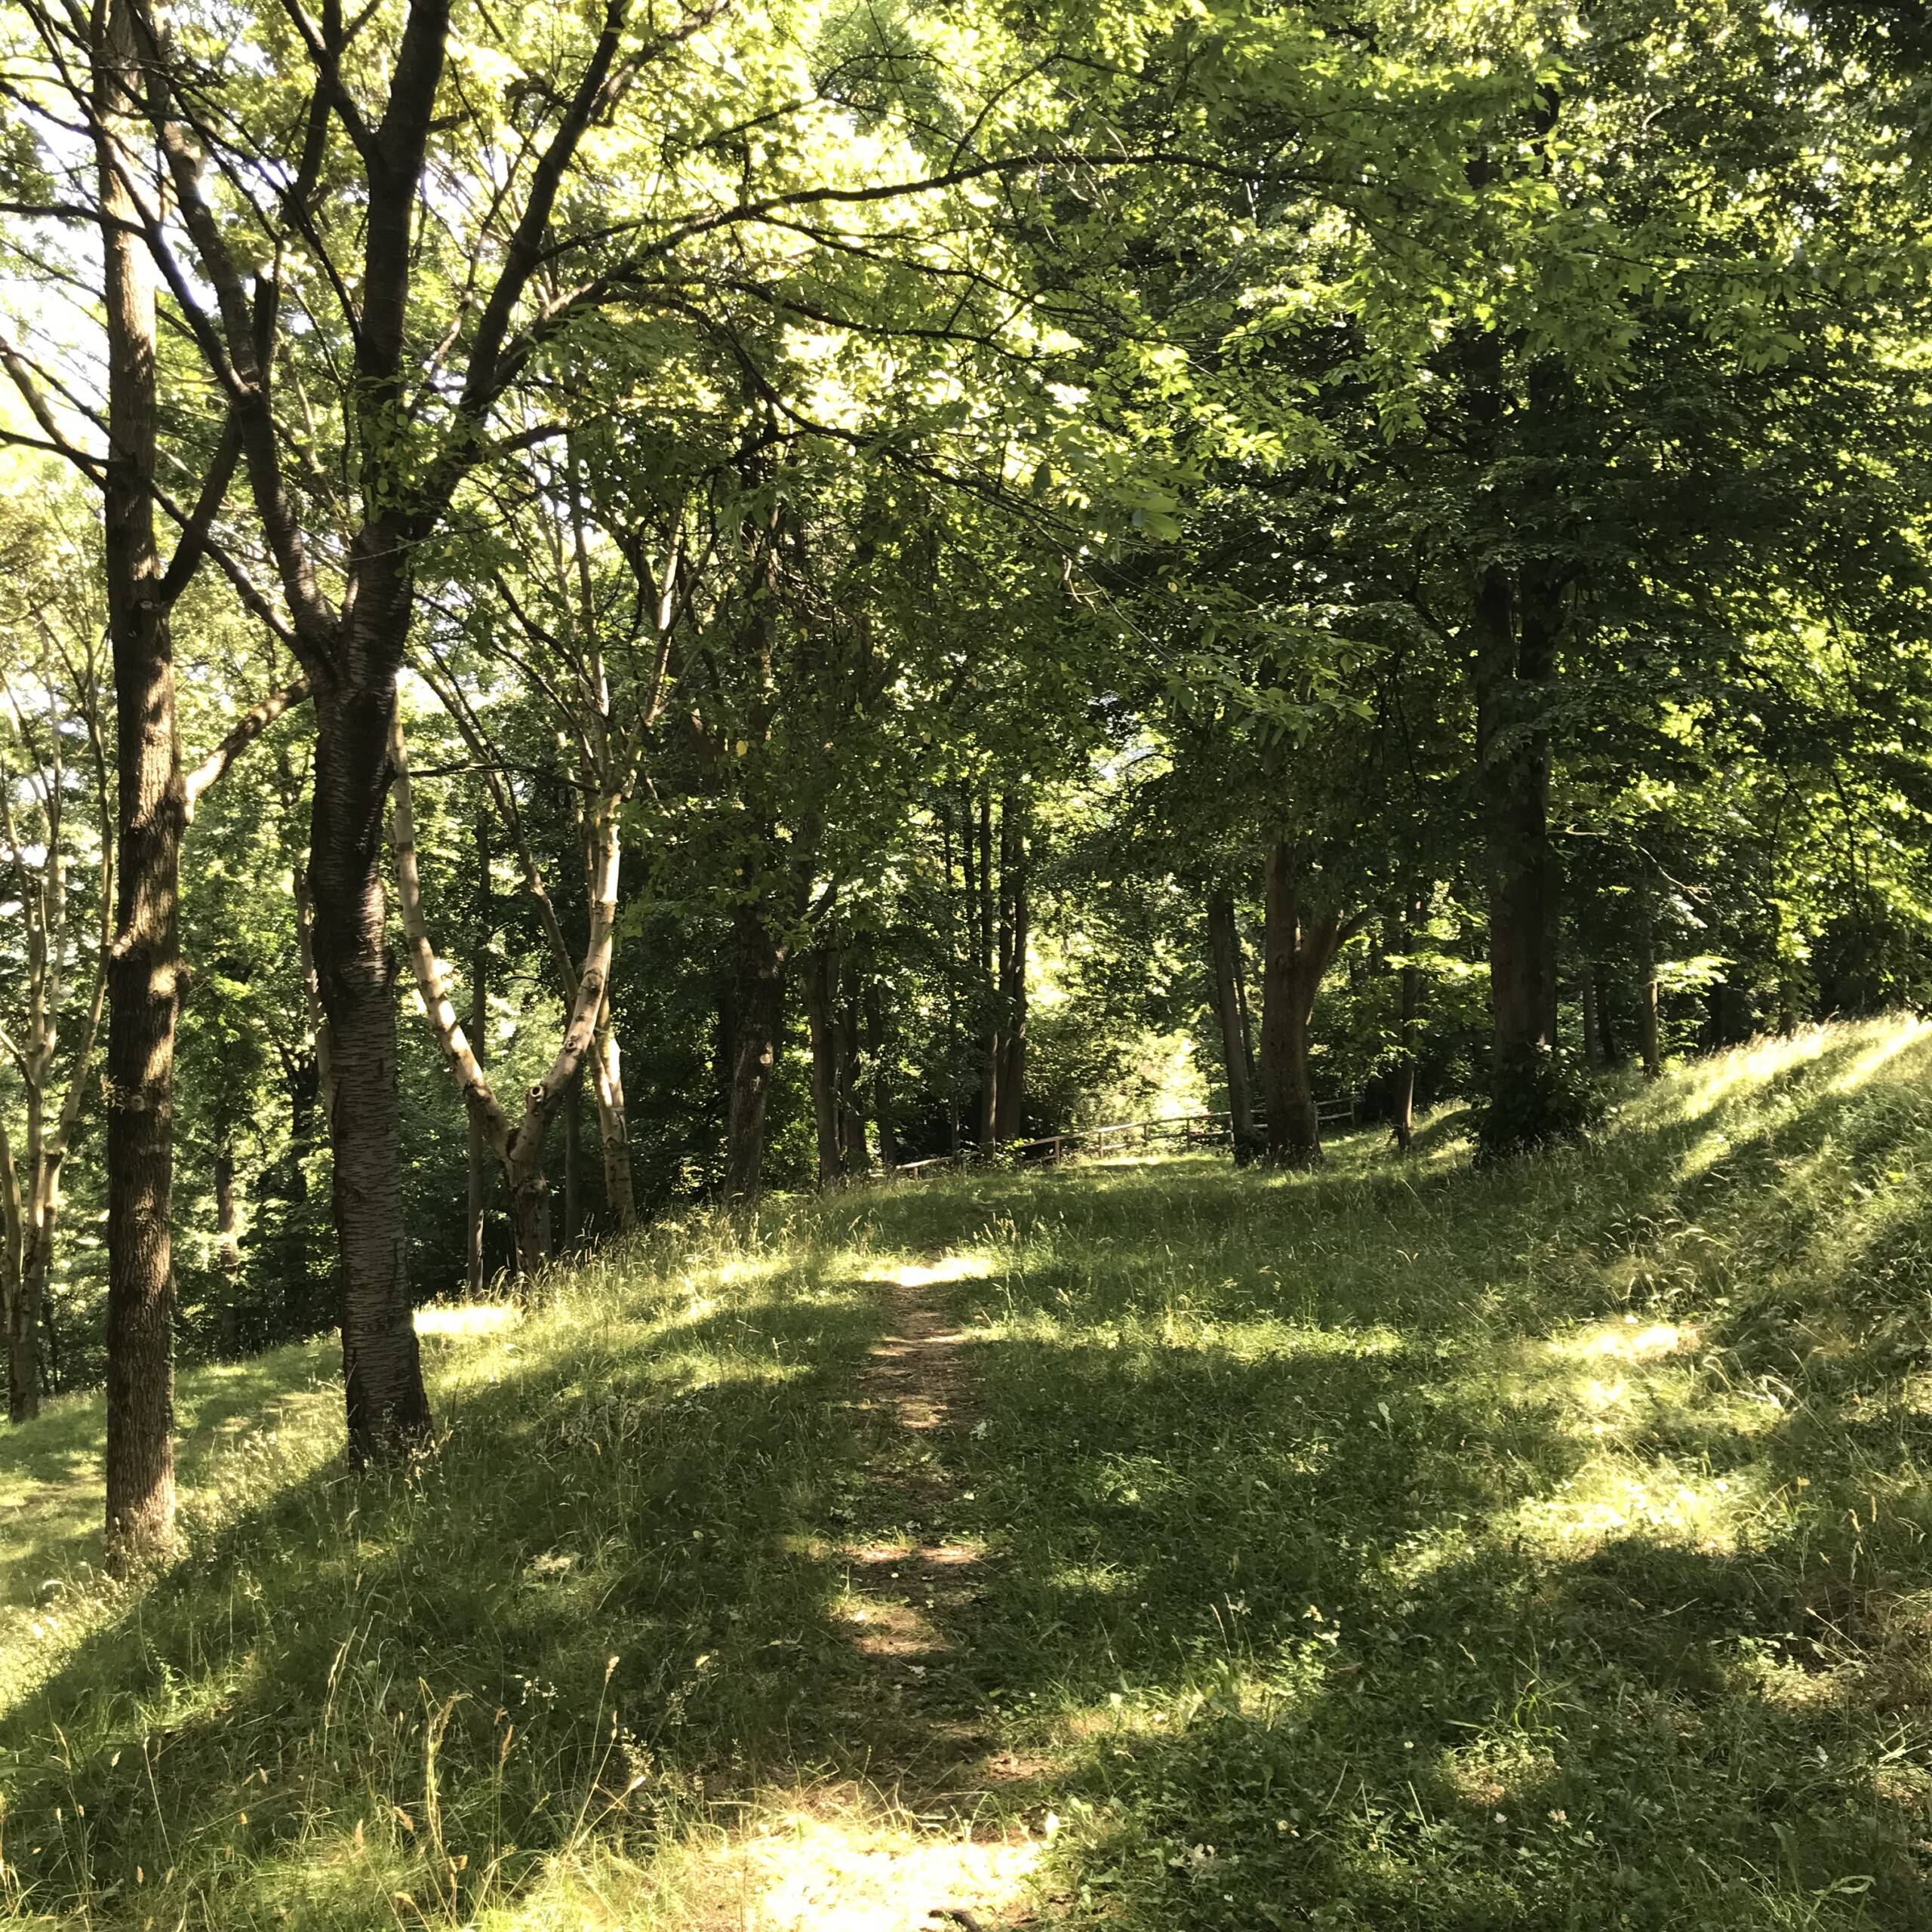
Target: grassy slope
{"points": [[1397, 1548]]}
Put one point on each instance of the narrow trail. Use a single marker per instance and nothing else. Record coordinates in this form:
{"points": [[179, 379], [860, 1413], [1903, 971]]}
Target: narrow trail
{"points": [[937, 1826]]}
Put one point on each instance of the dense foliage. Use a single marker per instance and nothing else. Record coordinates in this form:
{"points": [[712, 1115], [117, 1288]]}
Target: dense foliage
{"points": [[774, 591]]}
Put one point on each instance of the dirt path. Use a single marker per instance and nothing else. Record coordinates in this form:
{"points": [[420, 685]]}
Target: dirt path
{"points": [[936, 1827]]}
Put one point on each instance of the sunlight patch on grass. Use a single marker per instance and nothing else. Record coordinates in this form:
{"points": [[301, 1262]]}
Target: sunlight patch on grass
{"points": [[1613, 1498], [1628, 1341], [1902, 1034], [464, 1319], [839, 1859], [1701, 1087], [930, 1274], [807, 1874]]}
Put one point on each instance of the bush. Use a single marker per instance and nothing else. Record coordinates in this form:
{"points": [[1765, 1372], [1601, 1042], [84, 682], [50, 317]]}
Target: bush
{"points": [[1537, 1098]]}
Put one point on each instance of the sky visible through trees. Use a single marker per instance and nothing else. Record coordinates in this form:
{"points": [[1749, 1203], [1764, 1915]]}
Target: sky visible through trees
{"points": [[605, 606]]}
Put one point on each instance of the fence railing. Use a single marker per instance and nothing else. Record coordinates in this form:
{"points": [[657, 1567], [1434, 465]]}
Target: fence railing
{"points": [[1183, 1129]]}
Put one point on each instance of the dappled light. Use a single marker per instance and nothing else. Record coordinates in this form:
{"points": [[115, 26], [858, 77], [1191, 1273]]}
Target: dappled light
{"points": [[1148, 1546], [966, 966]]}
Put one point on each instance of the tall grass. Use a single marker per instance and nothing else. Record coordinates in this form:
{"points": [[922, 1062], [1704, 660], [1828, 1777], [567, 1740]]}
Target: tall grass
{"points": [[1395, 1546]]}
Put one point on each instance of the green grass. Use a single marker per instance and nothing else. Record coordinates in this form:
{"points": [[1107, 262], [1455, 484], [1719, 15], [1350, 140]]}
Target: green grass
{"points": [[1394, 1547]]}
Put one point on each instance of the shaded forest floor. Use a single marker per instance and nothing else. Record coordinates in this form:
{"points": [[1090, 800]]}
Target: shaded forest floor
{"points": [[1146, 1546]]}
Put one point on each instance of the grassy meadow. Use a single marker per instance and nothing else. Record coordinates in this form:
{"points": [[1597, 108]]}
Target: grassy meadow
{"points": [[1397, 1547]]}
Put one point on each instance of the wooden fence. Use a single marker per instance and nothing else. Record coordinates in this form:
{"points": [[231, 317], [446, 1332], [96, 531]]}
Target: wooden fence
{"points": [[1179, 1130]]}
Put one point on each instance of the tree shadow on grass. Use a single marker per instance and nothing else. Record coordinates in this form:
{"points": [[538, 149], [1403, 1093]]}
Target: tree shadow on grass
{"points": [[605, 1603], [1319, 1676], [50, 1470], [1262, 1460], [1339, 1608]]}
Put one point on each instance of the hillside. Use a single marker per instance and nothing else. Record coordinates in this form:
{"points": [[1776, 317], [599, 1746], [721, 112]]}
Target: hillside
{"points": [[1153, 1546]]}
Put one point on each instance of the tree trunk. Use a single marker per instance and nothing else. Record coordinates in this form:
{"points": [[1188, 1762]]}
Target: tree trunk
{"points": [[613, 1128], [1295, 954], [986, 921], [1223, 981], [820, 978], [517, 1139], [573, 1111], [228, 1243], [1647, 1013], [144, 977], [1592, 1030], [481, 1160], [1513, 660], [312, 990], [388, 1407], [1015, 890], [952, 980], [851, 1113], [530, 1203], [881, 1082], [1409, 1029], [28, 1366], [23, 1334], [759, 1009]]}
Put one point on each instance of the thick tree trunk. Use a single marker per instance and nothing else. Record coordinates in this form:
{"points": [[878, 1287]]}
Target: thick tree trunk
{"points": [[1295, 954], [388, 1407], [1224, 985], [144, 977], [613, 1128], [529, 1204], [1514, 660], [759, 1010]]}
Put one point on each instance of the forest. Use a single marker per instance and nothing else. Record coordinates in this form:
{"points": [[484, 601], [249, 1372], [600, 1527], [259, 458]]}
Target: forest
{"points": [[1128, 800]]}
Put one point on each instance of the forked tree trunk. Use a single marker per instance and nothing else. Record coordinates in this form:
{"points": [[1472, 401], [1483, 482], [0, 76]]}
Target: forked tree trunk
{"points": [[354, 652], [388, 1407], [144, 968], [529, 1201], [23, 1329], [1298, 950], [517, 1139], [758, 1013], [1223, 980]]}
